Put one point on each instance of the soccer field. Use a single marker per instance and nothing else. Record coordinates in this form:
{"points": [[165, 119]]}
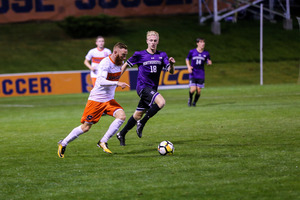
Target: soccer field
{"points": [[238, 143]]}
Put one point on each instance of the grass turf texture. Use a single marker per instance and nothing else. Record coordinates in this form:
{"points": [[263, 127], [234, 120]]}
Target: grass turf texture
{"points": [[238, 143]]}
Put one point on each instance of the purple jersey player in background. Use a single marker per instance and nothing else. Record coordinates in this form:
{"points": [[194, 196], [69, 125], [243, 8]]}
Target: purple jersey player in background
{"points": [[150, 62], [195, 62]]}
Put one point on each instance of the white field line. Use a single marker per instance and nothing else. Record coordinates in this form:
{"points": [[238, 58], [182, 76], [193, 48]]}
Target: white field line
{"points": [[16, 105]]}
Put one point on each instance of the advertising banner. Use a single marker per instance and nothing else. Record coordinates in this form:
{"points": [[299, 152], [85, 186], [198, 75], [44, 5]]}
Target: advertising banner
{"points": [[180, 78], [53, 10], [72, 82], [40, 84]]}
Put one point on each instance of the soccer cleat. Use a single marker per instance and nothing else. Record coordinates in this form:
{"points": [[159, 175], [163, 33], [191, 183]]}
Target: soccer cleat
{"points": [[61, 150], [194, 104], [121, 138], [139, 128], [104, 146], [189, 103]]}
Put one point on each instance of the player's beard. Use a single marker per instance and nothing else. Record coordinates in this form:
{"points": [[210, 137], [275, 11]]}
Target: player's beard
{"points": [[119, 61]]}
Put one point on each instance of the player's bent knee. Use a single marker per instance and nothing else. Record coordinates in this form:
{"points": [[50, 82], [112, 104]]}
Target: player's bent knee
{"points": [[161, 104], [137, 115], [160, 101], [121, 115], [86, 127]]}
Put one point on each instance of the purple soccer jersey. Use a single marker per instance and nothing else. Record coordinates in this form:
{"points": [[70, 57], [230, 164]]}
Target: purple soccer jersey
{"points": [[149, 68], [197, 61]]}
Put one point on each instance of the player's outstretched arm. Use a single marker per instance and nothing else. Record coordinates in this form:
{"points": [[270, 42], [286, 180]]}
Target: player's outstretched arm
{"points": [[123, 85], [123, 68], [103, 78]]}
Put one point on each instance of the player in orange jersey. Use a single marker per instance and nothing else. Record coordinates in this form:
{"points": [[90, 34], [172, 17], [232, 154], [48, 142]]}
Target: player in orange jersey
{"points": [[94, 57], [101, 99]]}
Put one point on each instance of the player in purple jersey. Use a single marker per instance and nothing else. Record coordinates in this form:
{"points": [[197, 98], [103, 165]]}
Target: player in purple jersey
{"points": [[195, 61], [150, 62]]}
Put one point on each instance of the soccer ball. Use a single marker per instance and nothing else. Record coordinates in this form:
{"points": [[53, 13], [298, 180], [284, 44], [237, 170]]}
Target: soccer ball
{"points": [[165, 148]]}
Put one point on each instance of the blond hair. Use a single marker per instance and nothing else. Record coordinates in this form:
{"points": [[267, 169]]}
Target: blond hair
{"points": [[149, 33]]}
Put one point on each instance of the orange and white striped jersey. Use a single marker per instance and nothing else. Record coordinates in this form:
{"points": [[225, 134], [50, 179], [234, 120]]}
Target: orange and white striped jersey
{"points": [[107, 80], [95, 55]]}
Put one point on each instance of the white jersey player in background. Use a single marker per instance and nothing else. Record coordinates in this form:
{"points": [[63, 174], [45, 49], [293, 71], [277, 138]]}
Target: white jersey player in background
{"points": [[94, 57], [101, 99]]}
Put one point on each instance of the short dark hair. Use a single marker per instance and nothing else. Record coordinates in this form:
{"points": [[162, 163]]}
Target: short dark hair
{"points": [[120, 45], [198, 39]]}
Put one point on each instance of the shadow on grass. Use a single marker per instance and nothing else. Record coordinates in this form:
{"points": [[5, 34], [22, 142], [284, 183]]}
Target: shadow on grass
{"points": [[137, 152], [217, 104]]}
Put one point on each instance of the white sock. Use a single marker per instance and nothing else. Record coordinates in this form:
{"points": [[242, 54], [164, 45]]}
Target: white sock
{"points": [[113, 128], [72, 136]]}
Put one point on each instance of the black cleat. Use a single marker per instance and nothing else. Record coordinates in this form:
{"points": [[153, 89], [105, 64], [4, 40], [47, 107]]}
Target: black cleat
{"points": [[194, 104], [189, 103], [121, 138], [139, 128]]}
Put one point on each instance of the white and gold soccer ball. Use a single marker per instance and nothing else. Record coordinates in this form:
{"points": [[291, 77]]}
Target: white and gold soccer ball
{"points": [[165, 148]]}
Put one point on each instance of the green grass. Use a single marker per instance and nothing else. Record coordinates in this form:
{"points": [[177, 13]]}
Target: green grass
{"points": [[241, 142], [36, 46], [238, 143]]}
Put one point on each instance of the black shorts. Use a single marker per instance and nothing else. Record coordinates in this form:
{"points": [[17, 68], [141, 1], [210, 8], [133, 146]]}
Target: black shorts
{"points": [[198, 82], [147, 96]]}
